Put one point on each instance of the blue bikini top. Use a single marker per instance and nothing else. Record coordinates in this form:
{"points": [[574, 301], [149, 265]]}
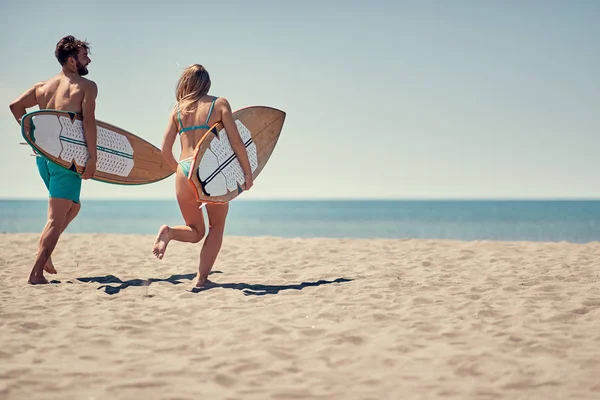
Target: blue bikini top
{"points": [[191, 128]]}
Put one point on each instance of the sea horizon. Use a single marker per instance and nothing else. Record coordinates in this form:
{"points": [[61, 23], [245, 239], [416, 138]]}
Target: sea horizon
{"points": [[528, 219], [312, 199]]}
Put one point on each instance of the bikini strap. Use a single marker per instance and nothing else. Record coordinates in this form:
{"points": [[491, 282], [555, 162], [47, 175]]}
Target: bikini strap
{"points": [[210, 111], [179, 118]]}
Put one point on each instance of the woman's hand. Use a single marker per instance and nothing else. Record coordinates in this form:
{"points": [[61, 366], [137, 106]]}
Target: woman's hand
{"points": [[249, 182]]}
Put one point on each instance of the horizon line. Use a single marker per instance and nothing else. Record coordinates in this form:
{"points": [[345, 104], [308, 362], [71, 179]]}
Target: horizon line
{"points": [[313, 199]]}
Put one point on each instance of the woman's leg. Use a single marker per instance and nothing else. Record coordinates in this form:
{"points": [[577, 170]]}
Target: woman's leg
{"points": [[194, 228], [217, 214]]}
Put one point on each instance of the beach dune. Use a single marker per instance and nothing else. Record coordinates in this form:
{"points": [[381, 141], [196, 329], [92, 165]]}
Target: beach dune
{"points": [[301, 319]]}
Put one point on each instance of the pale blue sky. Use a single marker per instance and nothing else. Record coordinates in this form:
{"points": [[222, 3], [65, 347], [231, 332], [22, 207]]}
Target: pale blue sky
{"points": [[394, 99]]}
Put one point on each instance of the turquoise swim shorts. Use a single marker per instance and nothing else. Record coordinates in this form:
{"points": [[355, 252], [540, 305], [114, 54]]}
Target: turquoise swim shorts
{"points": [[60, 182]]}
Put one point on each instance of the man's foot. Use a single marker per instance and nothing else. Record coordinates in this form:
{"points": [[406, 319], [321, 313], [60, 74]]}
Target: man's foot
{"points": [[161, 242], [37, 280], [49, 267]]}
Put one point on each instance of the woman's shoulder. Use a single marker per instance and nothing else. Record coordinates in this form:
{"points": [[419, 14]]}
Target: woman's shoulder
{"points": [[220, 100], [222, 103]]}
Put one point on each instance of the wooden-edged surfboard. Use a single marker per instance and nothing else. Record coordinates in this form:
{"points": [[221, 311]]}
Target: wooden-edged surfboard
{"points": [[215, 172], [123, 158]]}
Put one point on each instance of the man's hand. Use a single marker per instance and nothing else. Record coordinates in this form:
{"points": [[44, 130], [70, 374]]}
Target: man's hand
{"points": [[90, 169]]}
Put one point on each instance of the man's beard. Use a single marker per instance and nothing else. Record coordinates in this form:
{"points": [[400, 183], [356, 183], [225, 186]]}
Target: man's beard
{"points": [[81, 69]]}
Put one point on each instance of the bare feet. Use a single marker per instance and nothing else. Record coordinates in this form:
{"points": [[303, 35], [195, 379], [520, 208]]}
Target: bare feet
{"points": [[204, 283], [37, 279], [49, 267], [161, 242]]}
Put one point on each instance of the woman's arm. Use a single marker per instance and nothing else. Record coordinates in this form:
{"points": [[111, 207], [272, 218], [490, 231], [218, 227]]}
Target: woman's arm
{"points": [[236, 141], [168, 141]]}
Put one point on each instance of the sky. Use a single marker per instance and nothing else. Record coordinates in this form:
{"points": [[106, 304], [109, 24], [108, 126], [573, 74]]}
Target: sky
{"points": [[383, 99]]}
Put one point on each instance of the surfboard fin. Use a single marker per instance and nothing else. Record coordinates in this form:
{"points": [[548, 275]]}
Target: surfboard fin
{"points": [[239, 189], [214, 131]]}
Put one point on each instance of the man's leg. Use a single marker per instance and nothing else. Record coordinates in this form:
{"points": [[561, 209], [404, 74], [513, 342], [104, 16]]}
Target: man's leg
{"points": [[64, 188], [57, 216], [49, 267]]}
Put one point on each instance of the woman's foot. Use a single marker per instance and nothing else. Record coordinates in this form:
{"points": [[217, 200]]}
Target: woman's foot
{"points": [[161, 242], [202, 283]]}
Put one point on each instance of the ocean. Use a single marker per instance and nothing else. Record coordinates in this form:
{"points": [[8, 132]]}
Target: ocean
{"points": [[572, 221]]}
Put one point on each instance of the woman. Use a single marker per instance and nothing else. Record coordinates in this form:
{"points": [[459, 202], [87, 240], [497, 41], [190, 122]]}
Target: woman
{"points": [[196, 111]]}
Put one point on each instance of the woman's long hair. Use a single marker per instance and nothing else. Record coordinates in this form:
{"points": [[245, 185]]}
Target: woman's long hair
{"points": [[192, 85]]}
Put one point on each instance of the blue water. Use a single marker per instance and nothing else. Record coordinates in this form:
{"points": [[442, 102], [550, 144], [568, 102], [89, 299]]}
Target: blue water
{"points": [[572, 221]]}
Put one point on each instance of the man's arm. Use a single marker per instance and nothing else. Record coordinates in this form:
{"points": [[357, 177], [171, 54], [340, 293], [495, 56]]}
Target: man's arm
{"points": [[88, 111], [22, 103]]}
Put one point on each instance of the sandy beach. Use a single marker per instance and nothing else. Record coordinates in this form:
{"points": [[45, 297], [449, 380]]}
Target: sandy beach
{"points": [[301, 319]]}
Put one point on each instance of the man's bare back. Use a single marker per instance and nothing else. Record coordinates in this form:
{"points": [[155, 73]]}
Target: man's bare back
{"points": [[63, 92]]}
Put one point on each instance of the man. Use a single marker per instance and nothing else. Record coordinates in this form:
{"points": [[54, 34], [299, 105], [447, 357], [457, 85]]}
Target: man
{"points": [[71, 92]]}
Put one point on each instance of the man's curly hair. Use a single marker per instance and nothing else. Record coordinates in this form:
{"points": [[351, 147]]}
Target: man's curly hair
{"points": [[69, 47]]}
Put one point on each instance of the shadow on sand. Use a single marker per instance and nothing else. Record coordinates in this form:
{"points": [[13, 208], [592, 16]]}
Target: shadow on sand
{"points": [[108, 282], [261, 290]]}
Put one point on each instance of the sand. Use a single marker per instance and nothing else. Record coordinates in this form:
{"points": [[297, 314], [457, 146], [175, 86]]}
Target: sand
{"points": [[302, 319]]}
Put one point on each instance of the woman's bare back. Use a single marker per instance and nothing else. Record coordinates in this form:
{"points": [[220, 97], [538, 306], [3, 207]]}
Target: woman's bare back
{"points": [[206, 107]]}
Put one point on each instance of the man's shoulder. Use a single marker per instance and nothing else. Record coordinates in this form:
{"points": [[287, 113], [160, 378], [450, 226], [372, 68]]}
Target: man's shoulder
{"points": [[88, 83], [50, 81], [89, 86], [44, 83]]}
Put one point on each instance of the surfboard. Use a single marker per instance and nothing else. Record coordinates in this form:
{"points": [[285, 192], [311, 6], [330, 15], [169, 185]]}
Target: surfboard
{"points": [[215, 173], [123, 158]]}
